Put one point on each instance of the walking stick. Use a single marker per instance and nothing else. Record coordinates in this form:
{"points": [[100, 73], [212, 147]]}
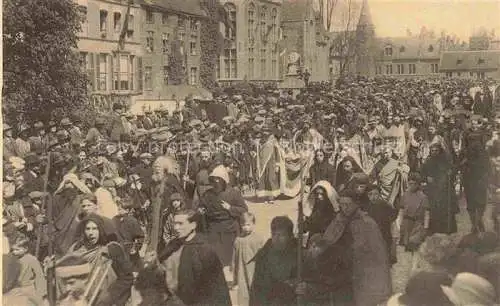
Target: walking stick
{"points": [[300, 228], [51, 272], [186, 171], [44, 203]]}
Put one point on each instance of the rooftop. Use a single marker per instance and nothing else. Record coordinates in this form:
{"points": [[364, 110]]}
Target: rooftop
{"points": [[190, 7], [470, 60]]}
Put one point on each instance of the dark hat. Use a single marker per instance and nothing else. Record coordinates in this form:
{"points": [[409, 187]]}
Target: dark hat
{"points": [[117, 106], [424, 288]]}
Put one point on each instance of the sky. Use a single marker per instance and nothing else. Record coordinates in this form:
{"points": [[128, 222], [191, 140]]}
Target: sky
{"points": [[461, 17]]}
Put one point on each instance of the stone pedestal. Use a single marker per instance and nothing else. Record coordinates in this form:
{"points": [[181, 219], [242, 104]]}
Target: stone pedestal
{"points": [[292, 82]]}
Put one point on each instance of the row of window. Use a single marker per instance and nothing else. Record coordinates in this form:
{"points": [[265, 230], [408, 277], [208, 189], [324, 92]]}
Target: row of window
{"points": [[388, 50], [230, 67], [401, 69], [166, 41], [261, 25], [118, 21], [122, 67], [165, 20], [478, 75]]}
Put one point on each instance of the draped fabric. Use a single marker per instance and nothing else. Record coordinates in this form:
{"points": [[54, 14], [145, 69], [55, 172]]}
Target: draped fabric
{"points": [[279, 173]]}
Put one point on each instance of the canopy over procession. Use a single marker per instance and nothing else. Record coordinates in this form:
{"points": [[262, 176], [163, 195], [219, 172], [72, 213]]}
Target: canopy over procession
{"points": [[158, 208]]}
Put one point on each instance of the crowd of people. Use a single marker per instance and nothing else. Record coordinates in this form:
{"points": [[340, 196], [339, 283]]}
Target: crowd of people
{"points": [[151, 209]]}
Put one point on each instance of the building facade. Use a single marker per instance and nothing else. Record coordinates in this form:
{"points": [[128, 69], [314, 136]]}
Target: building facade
{"points": [[304, 42], [251, 42], [471, 64], [171, 43], [114, 72], [408, 57]]}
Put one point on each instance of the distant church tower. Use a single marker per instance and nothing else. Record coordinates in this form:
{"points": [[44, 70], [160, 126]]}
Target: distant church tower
{"points": [[365, 39]]}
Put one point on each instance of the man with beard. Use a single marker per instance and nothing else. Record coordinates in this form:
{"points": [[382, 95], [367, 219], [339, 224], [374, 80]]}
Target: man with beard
{"points": [[321, 169], [223, 206], [387, 174], [165, 182], [198, 176]]}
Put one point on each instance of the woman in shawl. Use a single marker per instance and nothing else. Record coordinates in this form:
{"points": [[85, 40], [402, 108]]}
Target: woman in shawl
{"points": [[323, 206], [437, 172], [96, 244], [354, 229], [345, 171], [321, 169]]}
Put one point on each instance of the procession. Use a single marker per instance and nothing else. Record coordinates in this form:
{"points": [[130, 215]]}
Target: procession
{"points": [[147, 162]]}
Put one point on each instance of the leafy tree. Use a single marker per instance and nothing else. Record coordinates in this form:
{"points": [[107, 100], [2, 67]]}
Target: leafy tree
{"points": [[42, 72], [211, 40], [176, 73]]}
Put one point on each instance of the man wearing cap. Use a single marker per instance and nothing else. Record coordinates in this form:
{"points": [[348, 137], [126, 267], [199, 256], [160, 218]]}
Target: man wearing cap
{"points": [[9, 147], [22, 144], [38, 141], [96, 133], [119, 129]]}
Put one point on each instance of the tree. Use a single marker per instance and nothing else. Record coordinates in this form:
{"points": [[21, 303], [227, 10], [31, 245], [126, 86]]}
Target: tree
{"points": [[326, 10], [344, 45], [43, 77], [211, 40], [176, 71]]}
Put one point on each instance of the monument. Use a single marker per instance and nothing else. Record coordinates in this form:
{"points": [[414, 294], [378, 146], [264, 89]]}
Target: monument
{"points": [[292, 79]]}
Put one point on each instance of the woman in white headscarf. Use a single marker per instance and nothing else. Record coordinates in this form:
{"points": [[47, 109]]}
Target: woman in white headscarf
{"points": [[322, 207]]}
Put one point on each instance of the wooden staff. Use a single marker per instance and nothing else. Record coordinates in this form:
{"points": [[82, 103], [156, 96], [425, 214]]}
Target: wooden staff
{"points": [[186, 171], [300, 228], [51, 272], [44, 203]]}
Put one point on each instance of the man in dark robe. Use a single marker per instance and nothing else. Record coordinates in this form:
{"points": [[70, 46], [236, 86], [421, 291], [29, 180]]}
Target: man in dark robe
{"points": [[193, 270], [321, 169], [475, 173], [275, 265], [437, 172]]}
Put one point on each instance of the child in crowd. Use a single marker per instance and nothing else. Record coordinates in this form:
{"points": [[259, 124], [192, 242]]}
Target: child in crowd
{"points": [[176, 204], [130, 231], [245, 248], [415, 215], [31, 275]]}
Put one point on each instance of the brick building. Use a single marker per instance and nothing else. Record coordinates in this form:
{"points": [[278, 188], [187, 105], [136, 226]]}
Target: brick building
{"points": [[471, 64], [251, 43], [408, 57], [171, 43], [113, 71]]}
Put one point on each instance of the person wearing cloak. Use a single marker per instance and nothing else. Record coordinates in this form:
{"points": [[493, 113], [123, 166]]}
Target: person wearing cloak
{"points": [[371, 277], [222, 206], [323, 207], [246, 247], [475, 164], [437, 173], [275, 266], [97, 246]]}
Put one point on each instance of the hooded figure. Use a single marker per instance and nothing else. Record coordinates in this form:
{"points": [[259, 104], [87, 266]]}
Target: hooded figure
{"points": [[323, 207], [223, 206]]}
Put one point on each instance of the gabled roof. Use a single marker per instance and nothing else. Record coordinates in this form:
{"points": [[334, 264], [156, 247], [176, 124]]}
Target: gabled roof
{"points": [[189, 7], [411, 47], [470, 60]]}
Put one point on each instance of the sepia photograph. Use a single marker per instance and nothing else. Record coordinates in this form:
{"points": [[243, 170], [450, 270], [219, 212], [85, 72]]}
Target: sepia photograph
{"points": [[250, 152]]}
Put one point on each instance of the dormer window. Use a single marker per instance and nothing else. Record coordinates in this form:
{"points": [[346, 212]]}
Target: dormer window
{"points": [[402, 49], [459, 61], [480, 61], [388, 51], [431, 48]]}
